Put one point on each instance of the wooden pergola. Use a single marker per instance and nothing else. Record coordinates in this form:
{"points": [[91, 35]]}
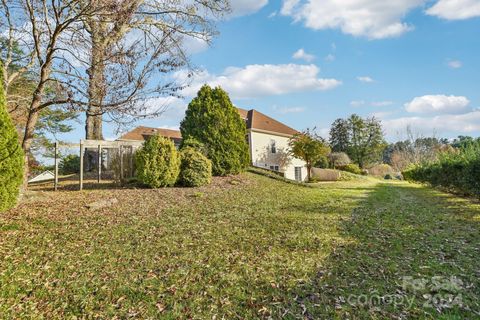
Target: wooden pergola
{"points": [[97, 145]]}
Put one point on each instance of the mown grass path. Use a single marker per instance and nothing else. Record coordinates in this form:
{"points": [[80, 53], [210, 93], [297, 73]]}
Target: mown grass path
{"points": [[246, 247]]}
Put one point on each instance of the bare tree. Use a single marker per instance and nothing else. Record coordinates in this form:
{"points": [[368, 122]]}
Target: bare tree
{"points": [[42, 29], [98, 56], [134, 46]]}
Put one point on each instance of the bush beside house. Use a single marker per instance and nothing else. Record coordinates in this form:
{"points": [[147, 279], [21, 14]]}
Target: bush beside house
{"points": [[212, 120], [195, 168], [11, 156], [157, 163]]}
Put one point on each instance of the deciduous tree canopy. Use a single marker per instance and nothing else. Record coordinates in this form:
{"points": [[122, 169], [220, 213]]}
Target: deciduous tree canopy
{"points": [[309, 147], [362, 139]]}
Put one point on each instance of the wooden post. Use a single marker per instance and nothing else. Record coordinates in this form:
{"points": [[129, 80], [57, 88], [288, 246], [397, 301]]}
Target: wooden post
{"points": [[82, 149], [131, 161], [99, 163], [121, 163], [55, 183]]}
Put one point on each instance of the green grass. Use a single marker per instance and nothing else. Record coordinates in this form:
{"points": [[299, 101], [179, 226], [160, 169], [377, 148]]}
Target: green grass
{"points": [[245, 247]]}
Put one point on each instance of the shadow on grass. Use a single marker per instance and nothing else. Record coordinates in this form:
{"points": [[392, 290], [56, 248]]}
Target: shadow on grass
{"points": [[414, 254], [89, 183]]}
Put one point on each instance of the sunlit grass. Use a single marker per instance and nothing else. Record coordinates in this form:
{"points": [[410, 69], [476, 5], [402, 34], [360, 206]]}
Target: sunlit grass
{"points": [[244, 247]]}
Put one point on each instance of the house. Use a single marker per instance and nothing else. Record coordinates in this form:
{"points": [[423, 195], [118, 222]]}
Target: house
{"points": [[267, 139]]}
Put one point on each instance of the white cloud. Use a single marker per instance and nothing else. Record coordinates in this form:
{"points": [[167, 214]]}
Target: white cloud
{"points": [[454, 64], [193, 45], [172, 108], [365, 79], [438, 104], [381, 103], [301, 54], [455, 9], [261, 80], [330, 57], [461, 123], [374, 19], [381, 114], [245, 7], [285, 110], [272, 15], [357, 103]]}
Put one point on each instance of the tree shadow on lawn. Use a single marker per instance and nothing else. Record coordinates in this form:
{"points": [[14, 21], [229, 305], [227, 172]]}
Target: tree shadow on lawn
{"points": [[414, 254]]}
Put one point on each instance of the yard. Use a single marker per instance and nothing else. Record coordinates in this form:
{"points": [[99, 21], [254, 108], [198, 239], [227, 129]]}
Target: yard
{"points": [[244, 247]]}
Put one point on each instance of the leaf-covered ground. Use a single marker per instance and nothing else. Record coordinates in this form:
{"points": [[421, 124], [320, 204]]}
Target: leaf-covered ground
{"points": [[245, 247]]}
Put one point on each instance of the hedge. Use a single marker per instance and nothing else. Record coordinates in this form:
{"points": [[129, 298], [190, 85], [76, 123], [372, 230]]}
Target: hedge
{"points": [[458, 172]]}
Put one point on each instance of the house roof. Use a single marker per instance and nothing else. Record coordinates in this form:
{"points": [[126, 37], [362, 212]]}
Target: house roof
{"points": [[261, 122], [255, 121], [140, 133]]}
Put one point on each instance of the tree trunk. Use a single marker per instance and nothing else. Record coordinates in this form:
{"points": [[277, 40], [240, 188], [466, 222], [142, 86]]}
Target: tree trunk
{"points": [[96, 85], [28, 137], [309, 170], [96, 93], [33, 113]]}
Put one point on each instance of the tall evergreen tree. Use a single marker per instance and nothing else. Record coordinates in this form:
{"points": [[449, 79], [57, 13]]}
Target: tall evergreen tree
{"points": [[212, 120], [11, 156], [339, 135]]}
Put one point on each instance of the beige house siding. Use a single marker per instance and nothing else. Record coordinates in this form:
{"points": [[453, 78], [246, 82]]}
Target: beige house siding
{"points": [[262, 156]]}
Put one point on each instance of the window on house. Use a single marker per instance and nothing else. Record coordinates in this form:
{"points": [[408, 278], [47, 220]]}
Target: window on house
{"points": [[276, 168], [273, 147], [298, 173], [272, 168]]}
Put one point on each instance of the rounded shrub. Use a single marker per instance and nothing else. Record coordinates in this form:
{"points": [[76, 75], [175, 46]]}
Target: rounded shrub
{"points": [[157, 163], [11, 156], [352, 168], [339, 159], [195, 168], [70, 164]]}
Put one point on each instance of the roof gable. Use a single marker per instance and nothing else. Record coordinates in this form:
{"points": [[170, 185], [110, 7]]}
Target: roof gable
{"points": [[259, 121], [254, 120], [141, 132]]}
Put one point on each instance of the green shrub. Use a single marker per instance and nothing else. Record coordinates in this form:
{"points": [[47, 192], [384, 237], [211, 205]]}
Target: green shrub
{"points": [[212, 120], [457, 171], [388, 176], [195, 168], [157, 163], [11, 156], [69, 164], [352, 168], [322, 163], [194, 144]]}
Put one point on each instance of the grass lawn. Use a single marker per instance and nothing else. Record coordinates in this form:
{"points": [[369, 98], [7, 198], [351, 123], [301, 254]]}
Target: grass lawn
{"points": [[244, 247]]}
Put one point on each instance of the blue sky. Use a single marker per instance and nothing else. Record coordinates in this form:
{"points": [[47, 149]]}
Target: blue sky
{"points": [[308, 62]]}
